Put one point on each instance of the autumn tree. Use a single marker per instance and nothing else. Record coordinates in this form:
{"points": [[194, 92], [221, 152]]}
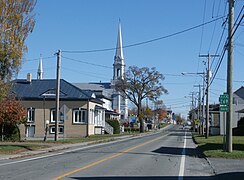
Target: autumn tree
{"points": [[138, 84], [162, 113], [12, 113], [16, 22], [179, 119], [160, 109]]}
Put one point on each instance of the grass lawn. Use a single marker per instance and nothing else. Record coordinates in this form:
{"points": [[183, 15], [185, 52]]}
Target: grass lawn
{"points": [[14, 148], [213, 146], [100, 137]]}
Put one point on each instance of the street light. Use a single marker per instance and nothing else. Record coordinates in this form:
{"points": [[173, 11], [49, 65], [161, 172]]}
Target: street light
{"points": [[46, 129]]}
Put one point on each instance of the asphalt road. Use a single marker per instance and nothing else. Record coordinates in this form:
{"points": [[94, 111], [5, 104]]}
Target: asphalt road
{"points": [[168, 154]]}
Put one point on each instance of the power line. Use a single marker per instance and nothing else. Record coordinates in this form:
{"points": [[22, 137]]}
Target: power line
{"points": [[226, 45], [83, 73], [146, 42], [204, 13], [85, 62], [36, 59]]}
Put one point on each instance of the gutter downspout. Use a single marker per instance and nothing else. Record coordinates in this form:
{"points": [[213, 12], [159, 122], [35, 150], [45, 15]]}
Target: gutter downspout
{"points": [[87, 129]]}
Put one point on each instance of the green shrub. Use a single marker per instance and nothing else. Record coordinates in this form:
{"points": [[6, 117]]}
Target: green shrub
{"points": [[11, 133], [115, 124], [239, 130], [132, 129]]}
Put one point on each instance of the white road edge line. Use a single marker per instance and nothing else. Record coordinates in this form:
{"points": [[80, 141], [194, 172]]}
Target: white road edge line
{"points": [[182, 162]]}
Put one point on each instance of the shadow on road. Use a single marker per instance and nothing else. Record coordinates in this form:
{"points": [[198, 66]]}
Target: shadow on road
{"points": [[178, 151], [225, 176]]}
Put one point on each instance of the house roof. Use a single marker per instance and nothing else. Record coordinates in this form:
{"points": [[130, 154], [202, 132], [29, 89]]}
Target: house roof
{"points": [[38, 89], [240, 92], [93, 85], [102, 90]]}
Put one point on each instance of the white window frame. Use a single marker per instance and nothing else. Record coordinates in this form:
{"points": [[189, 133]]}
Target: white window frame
{"points": [[31, 114], [79, 116], [92, 116], [99, 117], [52, 111], [60, 129]]}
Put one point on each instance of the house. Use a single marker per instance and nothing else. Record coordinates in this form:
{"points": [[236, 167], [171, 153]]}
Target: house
{"points": [[218, 119], [102, 93], [238, 106], [81, 113], [214, 119]]}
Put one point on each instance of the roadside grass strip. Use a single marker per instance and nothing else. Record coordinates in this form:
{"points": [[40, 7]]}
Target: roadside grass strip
{"points": [[214, 147]]}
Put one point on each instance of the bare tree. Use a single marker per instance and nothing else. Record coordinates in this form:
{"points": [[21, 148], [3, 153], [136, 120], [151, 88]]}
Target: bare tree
{"points": [[16, 22], [141, 83]]}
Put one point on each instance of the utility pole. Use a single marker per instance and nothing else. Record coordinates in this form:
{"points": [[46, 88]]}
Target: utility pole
{"points": [[192, 110], [199, 105], [203, 106], [57, 94], [207, 91], [230, 76]]}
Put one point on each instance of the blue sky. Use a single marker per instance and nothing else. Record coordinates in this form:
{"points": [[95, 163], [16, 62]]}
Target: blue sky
{"points": [[78, 25]]}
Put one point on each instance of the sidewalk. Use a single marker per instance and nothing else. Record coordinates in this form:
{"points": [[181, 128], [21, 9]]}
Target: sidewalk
{"points": [[51, 148]]}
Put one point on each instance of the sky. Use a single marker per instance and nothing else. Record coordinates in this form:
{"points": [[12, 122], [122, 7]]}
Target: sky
{"points": [[168, 35]]}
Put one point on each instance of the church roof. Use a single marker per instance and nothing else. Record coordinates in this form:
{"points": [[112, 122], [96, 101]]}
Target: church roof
{"points": [[102, 90]]}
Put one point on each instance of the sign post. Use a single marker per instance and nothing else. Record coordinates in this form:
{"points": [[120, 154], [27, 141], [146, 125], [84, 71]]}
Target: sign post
{"points": [[223, 107]]}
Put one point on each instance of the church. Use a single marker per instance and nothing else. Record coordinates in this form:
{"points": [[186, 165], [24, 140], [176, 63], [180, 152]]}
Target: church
{"points": [[113, 101]]}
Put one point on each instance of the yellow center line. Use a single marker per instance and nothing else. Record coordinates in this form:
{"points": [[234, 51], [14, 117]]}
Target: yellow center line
{"points": [[106, 159]]}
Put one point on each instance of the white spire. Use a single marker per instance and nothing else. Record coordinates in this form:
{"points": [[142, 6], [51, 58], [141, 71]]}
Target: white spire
{"points": [[119, 49], [40, 70], [119, 63]]}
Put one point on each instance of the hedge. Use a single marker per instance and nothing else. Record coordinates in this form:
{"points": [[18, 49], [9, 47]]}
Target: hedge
{"points": [[115, 124]]}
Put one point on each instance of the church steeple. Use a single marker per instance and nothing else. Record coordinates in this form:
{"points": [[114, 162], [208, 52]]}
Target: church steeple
{"points": [[119, 48], [119, 65], [40, 70]]}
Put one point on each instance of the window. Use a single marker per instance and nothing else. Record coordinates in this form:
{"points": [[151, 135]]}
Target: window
{"points": [[30, 114], [99, 118], [79, 116], [91, 116], [60, 129], [53, 116]]}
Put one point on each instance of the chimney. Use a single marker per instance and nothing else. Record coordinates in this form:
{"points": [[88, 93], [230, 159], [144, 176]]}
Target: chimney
{"points": [[29, 77]]}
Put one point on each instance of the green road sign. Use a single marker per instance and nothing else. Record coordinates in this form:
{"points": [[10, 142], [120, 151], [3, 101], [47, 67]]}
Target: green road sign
{"points": [[224, 99], [223, 108]]}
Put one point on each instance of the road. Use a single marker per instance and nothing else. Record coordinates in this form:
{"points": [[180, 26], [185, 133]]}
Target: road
{"points": [[168, 154]]}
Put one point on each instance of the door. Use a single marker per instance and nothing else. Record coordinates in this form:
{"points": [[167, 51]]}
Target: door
{"points": [[30, 131]]}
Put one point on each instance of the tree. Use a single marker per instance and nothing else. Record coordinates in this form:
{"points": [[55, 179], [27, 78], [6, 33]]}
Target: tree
{"points": [[138, 84], [16, 22], [162, 113], [179, 119], [160, 109], [12, 113]]}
